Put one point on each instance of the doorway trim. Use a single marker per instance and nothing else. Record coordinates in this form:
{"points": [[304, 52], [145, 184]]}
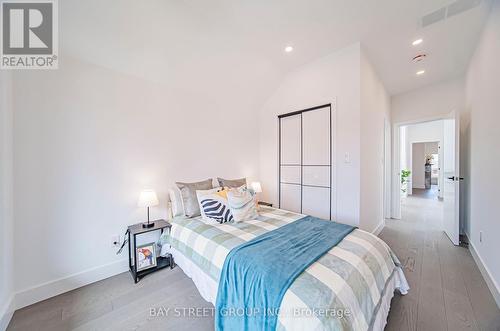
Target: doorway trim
{"points": [[424, 142], [386, 187], [396, 159]]}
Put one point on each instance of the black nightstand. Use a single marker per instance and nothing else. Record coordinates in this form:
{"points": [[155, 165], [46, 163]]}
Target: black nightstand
{"points": [[263, 203], [161, 262]]}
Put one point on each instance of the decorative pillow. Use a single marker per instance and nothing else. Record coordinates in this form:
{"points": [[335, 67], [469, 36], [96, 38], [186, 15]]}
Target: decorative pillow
{"points": [[176, 202], [231, 182], [188, 195], [243, 204], [213, 205]]}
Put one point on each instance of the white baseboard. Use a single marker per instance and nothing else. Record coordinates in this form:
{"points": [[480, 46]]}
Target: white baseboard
{"points": [[379, 228], [488, 278], [50, 289], [6, 313]]}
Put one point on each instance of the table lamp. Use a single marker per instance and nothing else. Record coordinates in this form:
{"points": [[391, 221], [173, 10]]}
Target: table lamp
{"points": [[256, 187], [148, 198]]}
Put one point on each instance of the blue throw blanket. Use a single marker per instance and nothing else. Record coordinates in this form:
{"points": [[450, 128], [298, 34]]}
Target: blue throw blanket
{"points": [[256, 274]]}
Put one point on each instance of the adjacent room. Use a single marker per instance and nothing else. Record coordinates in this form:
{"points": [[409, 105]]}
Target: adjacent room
{"points": [[420, 148], [249, 165]]}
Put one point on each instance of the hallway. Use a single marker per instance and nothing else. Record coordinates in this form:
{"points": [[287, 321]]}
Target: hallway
{"points": [[431, 193], [447, 289]]}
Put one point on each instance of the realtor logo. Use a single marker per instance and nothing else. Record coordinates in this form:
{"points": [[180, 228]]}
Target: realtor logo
{"points": [[29, 34]]}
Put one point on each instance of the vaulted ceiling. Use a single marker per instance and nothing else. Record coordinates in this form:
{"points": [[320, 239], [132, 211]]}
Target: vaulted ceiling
{"points": [[218, 45]]}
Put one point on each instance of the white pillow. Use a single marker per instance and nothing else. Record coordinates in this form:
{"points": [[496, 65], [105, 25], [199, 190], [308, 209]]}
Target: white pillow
{"points": [[176, 202], [243, 204]]}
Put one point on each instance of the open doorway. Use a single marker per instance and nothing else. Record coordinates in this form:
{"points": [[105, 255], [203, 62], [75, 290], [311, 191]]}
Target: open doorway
{"points": [[420, 170], [423, 169], [426, 181], [420, 155]]}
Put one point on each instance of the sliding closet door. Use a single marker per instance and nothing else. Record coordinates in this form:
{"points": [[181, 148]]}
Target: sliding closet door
{"points": [[305, 162], [316, 162], [290, 163]]}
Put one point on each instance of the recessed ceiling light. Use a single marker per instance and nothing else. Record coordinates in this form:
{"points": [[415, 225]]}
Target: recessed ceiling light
{"points": [[420, 72], [417, 42], [288, 49]]}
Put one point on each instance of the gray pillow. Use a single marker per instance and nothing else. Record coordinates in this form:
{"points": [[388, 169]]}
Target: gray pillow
{"points": [[188, 195], [231, 182]]}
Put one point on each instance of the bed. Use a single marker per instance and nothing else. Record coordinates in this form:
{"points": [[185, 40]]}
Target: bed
{"points": [[348, 288]]}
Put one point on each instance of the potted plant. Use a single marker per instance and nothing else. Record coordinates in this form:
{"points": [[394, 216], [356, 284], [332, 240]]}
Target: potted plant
{"points": [[405, 173]]}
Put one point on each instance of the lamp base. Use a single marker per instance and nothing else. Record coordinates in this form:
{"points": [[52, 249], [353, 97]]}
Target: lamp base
{"points": [[148, 225]]}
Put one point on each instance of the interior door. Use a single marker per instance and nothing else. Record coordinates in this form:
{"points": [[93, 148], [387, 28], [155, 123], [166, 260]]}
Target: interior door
{"points": [[316, 163], [451, 191], [290, 194], [305, 161]]}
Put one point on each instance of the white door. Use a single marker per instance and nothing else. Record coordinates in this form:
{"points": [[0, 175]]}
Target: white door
{"points": [[316, 163], [290, 163], [451, 198]]}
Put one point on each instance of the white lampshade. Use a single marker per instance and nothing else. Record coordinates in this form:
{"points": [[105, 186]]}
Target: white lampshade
{"points": [[256, 187], [147, 198]]}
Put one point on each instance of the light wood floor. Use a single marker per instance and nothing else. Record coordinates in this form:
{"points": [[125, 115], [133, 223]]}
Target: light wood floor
{"points": [[447, 290]]}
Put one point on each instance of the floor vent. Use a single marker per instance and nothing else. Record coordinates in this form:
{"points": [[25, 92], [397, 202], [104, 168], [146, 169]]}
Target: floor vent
{"points": [[455, 8]]}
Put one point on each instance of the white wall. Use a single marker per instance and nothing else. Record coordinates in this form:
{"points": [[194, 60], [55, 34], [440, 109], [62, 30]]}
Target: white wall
{"points": [[336, 76], [425, 132], [428, 103], [87, 140], [348, 77], [375, 110], [418, 165], [483, 99], [6, 212]]}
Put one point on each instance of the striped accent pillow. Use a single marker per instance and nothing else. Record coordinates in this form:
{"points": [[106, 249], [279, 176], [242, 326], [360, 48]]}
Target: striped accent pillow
{"points": [[216, 210], [213, 206]]}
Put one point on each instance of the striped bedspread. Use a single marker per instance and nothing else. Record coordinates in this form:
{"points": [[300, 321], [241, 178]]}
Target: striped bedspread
{"points": [[340, 291]]}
